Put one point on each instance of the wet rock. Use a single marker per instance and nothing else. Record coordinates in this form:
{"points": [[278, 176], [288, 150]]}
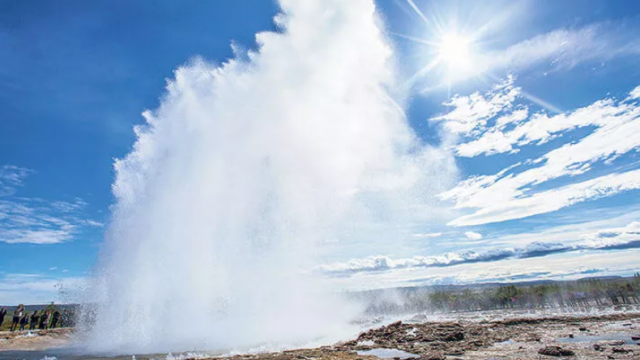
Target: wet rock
{"points": [[455, 336], [598, 347], [475, 343], [635, 337], [432, 357], [555, 351], [396, 324], [531, 337]]}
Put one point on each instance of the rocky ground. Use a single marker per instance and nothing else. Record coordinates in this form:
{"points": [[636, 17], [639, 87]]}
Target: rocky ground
{"points": [[592, 337], [612, 336]]}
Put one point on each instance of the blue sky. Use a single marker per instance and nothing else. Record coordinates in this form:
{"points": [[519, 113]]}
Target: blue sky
{"points": [[539, 114]]}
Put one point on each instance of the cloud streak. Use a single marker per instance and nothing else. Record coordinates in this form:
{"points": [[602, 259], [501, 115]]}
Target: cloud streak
{"points": [[611, 239], [34, 220], [560, 49], [11, 178], [33, 288], [504, 126]]}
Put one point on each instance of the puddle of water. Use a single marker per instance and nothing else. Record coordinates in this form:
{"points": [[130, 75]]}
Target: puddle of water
{"points": [[599, 338], [504, 343], [388, 353]]}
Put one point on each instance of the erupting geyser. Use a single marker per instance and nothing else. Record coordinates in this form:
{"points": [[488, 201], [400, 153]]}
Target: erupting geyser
{"points": [[239, 173]]}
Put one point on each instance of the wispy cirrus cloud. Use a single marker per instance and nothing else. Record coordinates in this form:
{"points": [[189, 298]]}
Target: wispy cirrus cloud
{"points": [[512, 194], [35, 220], [35, 288], [561, 49], [11, 178], [567, 47], [551, 200]]}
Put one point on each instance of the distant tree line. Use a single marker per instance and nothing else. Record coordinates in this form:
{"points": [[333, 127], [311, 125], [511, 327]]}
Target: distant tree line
{"points": [[580, 295]]}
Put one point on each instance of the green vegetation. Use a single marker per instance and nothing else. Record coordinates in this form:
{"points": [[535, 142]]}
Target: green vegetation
{"points": [[580, 294]]}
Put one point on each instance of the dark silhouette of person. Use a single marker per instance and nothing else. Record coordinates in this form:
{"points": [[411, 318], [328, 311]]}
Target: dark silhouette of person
{"points": [[3, 313], [24, 321], [64, 319], [44, 320], [17, 315], [35, 318], [54, 319]]}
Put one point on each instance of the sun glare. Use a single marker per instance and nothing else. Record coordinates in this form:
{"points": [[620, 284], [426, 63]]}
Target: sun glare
{"points": [[455, 51], [452, 51]]}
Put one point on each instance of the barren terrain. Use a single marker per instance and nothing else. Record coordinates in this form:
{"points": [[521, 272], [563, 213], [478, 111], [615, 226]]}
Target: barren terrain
{"points": [[607, 336]]}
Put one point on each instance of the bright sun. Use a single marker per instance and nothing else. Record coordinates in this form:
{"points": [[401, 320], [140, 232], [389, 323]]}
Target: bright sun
{"points": [[455, 51]]}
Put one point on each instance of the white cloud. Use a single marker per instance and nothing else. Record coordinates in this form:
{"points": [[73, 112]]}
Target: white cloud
{"points": [[552, 200], [427, 235], [512, 195], [31, 289], [560, 49], [626, 237], [564, 266], [12, 177], [33, 220], [471, 113], [473, 235], [608, 116]]}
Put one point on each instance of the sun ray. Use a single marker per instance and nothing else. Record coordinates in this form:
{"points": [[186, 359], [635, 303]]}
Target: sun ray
{"points": [[535, 99], [451, 48], [543, 103], [418, 12], [415, 39], [423, 71]]}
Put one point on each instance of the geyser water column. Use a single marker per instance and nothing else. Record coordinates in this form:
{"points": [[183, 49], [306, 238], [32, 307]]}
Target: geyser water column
{"points": [[237, 175]]}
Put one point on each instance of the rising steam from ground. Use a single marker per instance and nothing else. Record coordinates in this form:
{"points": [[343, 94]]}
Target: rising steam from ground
{"points": [[241, 172]]}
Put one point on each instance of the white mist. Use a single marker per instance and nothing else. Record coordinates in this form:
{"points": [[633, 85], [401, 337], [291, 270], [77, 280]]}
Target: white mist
{"points": [[239, 175]]}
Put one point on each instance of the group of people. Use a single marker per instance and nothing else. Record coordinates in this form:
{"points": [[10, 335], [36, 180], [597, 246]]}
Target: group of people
{"points": [[40, 320]]}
